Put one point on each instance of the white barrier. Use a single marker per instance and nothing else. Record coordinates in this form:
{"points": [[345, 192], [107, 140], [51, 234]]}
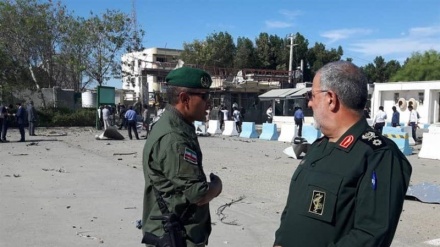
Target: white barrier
{"points": [[408, 129], [214, 127], [288, 132], [230, 129], [430, 143]]}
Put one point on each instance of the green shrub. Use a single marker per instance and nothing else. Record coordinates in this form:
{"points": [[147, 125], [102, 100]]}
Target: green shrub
{"points": [[59, 117]]}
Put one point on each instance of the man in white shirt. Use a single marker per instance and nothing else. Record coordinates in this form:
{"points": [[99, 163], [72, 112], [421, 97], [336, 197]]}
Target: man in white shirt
{"points": [[413, 120], [379, 120], [106, 117]]}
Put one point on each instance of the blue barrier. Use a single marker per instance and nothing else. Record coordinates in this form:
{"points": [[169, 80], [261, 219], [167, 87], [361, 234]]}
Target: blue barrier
{"points": [[310, 133], [248, 130], [400, 138], [388, 129], [269, 132]]}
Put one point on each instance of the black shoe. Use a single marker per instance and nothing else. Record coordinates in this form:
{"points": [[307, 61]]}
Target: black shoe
{"points": [[21, 141]]}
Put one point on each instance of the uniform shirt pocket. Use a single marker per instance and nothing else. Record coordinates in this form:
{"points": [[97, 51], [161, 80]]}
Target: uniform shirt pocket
{"points": [[321, 196]]}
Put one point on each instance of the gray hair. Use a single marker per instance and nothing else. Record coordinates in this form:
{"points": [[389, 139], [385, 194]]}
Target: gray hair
{"points": [[173, 94], [347, 81]]}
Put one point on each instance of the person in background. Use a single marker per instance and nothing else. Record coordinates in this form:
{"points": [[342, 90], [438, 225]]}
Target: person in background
{"points": [[269, 114], [379, 120], [413, 121], [367, 112], [175, 181], [146, 120], [131, 117], [31, 117], [350, 187], [225, 116], [122, 117], [20, 117], [100, 117], [6, 122], [298, 116], [237, 119], [395, 119], [106, 117], [2, 118]]}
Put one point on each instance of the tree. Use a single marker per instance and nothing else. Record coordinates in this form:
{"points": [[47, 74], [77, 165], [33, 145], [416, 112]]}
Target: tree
{"points": [[195, 53], [318, 56], [420, 67], [220, 49], [245, 55], [107, 37], [270, 51], [380, 70], [30, 39]]}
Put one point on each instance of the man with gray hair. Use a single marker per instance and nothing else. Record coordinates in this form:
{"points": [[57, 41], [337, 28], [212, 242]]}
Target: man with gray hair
{"points": [[350, 187]]}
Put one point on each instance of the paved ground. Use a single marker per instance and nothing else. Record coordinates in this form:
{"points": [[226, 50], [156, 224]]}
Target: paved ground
{"points": [[74, 190]]}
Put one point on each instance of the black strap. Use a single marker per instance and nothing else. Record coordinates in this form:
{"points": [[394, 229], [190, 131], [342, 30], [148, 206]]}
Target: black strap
{"points": [[160, 201], [184, 217]]}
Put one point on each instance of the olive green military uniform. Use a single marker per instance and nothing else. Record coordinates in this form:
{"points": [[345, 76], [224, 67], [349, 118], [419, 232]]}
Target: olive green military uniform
{"points": [[172, 162], [349, 193]]}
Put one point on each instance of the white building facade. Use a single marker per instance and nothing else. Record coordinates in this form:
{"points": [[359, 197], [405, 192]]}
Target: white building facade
{"points": [[424, 95], [145, 84]]}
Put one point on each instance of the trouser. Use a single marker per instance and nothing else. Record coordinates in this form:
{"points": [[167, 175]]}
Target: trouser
{"points": [[238, 126], [4, 129], [123, 123], [1, 124], [21, 129], [413, 128], [299, 123], [379, 127], [106, 123], [31, 128], [132, 126]]}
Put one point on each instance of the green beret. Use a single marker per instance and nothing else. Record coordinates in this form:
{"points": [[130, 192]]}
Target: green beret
{"points": [[189, 77]]}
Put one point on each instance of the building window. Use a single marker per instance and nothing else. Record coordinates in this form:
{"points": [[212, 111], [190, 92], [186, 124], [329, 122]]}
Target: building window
{"points": [[161, 59], [421, 97]]}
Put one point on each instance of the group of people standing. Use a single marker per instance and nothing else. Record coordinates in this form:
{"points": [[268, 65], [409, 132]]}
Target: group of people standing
{"points": [[22, 116], [381, 116], [237, 116]]}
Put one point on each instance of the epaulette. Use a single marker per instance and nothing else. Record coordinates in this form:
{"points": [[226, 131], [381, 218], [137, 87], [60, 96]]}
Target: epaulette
{"points": [[373, 139]]}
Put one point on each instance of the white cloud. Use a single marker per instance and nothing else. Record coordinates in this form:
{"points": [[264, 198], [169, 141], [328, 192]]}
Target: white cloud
{"points": [[424, 31], [340, 34], [290, 15], [277, 24], [418, 39]]}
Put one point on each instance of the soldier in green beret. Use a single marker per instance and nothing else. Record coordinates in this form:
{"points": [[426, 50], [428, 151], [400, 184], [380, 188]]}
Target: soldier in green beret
{"points": [[172, 160], [349, 188]]}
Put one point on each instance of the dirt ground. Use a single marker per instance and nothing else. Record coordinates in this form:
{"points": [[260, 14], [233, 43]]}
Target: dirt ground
{"points": [[64, 188]]}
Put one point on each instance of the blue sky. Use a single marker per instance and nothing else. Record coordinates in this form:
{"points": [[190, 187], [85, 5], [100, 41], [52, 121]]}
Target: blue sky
{"points": [[393, 29]]}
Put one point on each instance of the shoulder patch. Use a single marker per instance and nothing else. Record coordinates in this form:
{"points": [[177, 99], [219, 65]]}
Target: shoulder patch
{"points": [[374, 140], [190, 156]]}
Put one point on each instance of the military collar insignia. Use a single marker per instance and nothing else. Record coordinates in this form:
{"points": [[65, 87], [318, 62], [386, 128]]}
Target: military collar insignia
{"points": [[205, 81], [347, 141], [190, 156], [317, 202]]}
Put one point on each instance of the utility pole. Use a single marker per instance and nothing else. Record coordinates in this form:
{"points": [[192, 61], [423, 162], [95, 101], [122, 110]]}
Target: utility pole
{"points": [[292, 37]]}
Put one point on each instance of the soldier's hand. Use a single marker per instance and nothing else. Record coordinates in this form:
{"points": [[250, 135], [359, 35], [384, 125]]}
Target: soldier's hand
{"points": [[217, 181]]}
